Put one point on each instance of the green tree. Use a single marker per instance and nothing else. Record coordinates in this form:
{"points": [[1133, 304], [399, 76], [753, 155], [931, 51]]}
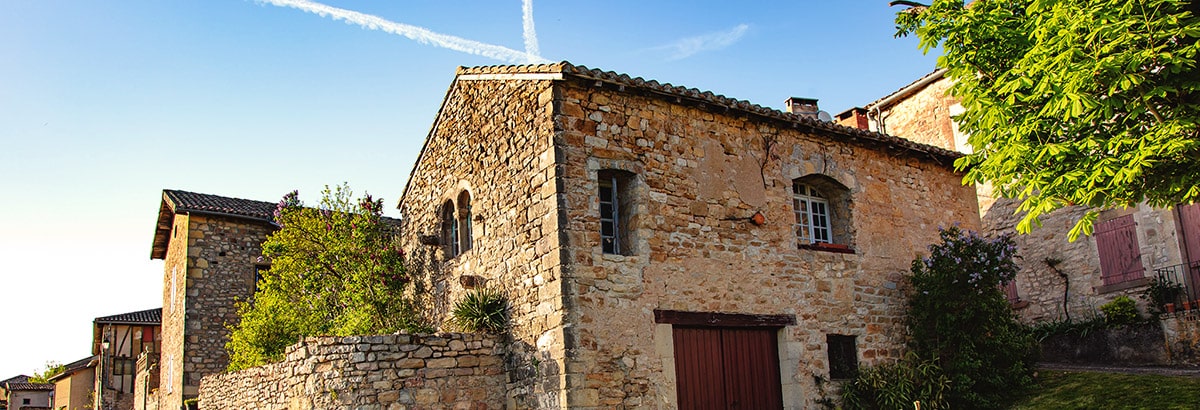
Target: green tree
{"points": [[335, 270], [52, 369], [1067, 102], [959, 317]]}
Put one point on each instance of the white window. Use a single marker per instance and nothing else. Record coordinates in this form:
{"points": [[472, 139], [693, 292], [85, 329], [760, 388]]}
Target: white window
{"points": [[812, 215]]}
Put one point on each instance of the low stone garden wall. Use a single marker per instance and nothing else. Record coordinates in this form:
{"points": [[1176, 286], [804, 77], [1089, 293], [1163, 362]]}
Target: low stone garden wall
{"points": [[443, 371], [1182, 333], [1173, 340]]}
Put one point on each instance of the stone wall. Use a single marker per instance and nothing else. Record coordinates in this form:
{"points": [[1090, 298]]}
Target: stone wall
{"points": [[1046, 294], [924, 117], [493, 139], [1182, 332], [444, 371], [145, 387], [210, 265], [527, 149], [700, 175]]}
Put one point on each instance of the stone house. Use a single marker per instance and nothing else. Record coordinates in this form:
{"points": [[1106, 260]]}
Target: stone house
{"points": [[118, 341], [18, 393], [211, 247], [73, 386], [1059, 279], [662, 246]]}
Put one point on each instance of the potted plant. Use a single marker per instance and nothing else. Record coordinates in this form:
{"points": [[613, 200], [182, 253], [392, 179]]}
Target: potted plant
{"points": [[1163, 291], [1169, 307]]}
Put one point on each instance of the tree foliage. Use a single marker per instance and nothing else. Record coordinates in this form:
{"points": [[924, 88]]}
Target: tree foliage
{"points": [[335, 270], [1067, 102], [959, 317], [52, 369]]}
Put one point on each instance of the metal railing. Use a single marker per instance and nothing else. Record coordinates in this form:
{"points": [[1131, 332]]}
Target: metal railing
{"points": [[1178, 285]]}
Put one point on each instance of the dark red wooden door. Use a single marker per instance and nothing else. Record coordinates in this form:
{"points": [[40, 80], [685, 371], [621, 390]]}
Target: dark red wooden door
{"points": [[1120, 257], [727, 368]]}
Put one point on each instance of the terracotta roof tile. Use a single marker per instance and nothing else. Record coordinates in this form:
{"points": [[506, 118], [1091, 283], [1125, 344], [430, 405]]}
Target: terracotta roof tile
{"points": [[185, 202], [566, 68], [30, 386], [15, 379], [148, 317]]}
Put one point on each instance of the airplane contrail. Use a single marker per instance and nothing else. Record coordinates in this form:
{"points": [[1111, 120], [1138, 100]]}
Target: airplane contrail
{"points": [[421, 35], [531, 42]]}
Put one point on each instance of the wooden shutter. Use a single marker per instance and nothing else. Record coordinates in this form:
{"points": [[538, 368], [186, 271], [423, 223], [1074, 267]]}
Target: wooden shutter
{"points": [[1120, 257], [1189, 220]]}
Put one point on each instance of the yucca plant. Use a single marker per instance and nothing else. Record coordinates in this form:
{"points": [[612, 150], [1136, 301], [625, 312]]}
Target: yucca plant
{"points": [[481, 310]]}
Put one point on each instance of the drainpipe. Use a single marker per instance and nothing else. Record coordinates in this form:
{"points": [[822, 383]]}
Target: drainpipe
{"points": [[879, 123]]}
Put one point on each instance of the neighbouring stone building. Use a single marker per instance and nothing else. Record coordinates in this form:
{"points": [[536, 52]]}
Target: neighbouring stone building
{"points": [[117, 342], [18, 393], [1058, 278], [211, 247], [73, 387], [663, 246]]}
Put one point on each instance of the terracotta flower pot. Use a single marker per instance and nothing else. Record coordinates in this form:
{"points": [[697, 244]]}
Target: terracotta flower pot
{"points": [[1169, 307], [1187, 305]]}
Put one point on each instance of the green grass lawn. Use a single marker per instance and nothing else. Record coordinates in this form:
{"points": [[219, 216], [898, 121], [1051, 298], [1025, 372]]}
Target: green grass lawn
{"points": [[1094, 391]]}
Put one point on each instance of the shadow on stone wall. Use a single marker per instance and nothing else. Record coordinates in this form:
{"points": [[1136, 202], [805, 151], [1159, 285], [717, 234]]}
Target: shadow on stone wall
{"points": [[533, 376], [1138, 344]]}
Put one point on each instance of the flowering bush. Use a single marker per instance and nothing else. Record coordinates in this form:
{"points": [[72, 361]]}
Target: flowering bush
{"points": [[335, 270], [959, 315]]}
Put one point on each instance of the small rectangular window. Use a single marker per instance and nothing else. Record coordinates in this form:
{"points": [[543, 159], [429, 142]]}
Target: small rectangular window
{"points": [[843, 356], [609, 215]]}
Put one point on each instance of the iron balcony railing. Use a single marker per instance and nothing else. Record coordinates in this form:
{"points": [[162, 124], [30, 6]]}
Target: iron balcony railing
{"points": [[1179, 285]]}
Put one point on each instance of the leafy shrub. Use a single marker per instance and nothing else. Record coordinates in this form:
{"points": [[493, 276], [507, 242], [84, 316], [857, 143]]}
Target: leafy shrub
{"points": [[1121, 310], [335, 270], [959, 315], [898, 385], [481, 310]]}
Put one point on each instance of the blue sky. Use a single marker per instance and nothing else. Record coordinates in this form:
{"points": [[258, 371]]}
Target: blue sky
{"points": [[104, 104]]}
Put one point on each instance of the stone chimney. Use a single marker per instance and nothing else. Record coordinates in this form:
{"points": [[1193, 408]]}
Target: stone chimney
{"points": [[855, 118], [804, 107]]}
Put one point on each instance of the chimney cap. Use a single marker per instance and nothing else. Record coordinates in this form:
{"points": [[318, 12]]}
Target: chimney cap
{"points": [[801, 100]]}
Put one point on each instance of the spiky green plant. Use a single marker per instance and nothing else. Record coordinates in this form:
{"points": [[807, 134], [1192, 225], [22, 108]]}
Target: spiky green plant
{"points": [[481, 310]]}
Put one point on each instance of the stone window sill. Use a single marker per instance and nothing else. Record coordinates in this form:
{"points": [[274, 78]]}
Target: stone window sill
{"points": [[1129, 284], [828, 247]]}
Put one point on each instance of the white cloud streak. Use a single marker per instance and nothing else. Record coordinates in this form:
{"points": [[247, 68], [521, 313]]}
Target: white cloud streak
{"points": [[531, 41], [686, 47], [421, 35]]}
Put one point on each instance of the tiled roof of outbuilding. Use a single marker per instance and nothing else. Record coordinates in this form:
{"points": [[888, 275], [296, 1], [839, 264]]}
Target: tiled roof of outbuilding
{"points": [[27, 386], [183, 202], [141, 317], [186, 202], [73, 367], [15, 379]]}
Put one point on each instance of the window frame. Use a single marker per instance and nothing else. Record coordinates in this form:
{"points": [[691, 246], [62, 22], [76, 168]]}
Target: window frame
{"points": [[450, 229], [842, 355], [609, 243], [813, 218]]}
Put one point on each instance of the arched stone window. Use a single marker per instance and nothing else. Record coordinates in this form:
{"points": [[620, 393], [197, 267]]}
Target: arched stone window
{"points": [[450, 230], [823, 212], [464, 221]]}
